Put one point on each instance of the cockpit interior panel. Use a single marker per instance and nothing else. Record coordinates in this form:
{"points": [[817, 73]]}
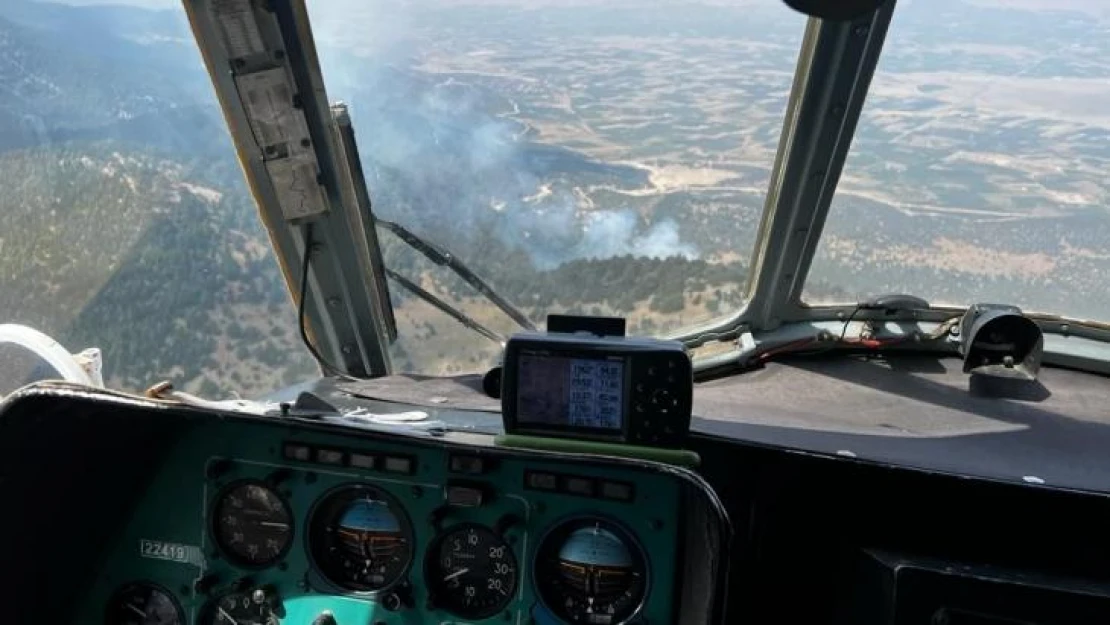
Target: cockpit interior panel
{"points": [[196, 517]]}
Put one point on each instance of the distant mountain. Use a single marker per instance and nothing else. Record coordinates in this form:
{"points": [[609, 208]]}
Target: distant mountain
{"points": [[71, 70], [85, 25], [126, 225]]}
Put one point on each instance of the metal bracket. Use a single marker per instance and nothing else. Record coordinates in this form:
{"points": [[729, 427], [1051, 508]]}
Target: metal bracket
{"points": [[269, 47]]}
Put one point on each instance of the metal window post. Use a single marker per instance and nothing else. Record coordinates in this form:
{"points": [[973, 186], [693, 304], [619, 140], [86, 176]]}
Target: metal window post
{"points": [[835, 67], [301, 164]]}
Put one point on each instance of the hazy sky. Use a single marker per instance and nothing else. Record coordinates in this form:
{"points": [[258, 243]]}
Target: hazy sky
{"points": [[149, 4], [1090, 6]]}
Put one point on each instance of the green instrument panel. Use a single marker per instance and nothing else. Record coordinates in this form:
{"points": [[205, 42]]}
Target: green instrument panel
{"points": [[247, 523]]}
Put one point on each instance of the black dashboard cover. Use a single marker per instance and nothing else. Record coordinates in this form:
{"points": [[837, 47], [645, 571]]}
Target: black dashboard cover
{"points": [[895, 589], [58, 439]]}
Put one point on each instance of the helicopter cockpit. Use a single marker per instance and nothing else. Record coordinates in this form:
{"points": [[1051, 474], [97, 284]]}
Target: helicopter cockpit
{"points": [[503, 356]]}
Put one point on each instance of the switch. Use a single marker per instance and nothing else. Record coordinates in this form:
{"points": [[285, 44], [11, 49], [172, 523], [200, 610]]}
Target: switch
{"points": [[293, 451], [361, 461], [329, 456], [537, 480], [619, 491], [473, 465], [579, 486], [325, 618], [398, 464], [463, 496]]}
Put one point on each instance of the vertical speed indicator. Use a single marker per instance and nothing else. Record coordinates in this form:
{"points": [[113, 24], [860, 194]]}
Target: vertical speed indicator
{"points": [[471, 572]]}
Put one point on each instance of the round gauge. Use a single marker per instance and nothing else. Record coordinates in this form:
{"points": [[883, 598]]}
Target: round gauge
{"points": [[252, 524], [240, 608], [471, 572], [591, 571], [143, 604], [360, 539]]}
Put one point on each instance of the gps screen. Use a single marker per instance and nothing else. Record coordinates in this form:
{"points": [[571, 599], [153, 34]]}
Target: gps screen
{"points": [[563, 391]]}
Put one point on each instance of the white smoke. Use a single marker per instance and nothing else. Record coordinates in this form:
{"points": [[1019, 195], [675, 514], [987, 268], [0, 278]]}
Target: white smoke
{"points": [[614, 233], [458, 159], [558, 231]]}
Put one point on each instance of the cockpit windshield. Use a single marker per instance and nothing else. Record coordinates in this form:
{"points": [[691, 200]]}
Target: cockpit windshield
{"points": [[606, 158], [603, 158], [979, 166]]}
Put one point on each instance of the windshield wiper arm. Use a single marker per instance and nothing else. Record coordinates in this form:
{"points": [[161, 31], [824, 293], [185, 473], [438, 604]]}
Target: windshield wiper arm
{"points": [[444, 307], [447, 259]]}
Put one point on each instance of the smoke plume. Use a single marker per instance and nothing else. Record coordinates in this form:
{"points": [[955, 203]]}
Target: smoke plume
{"points": [[444, 155]]}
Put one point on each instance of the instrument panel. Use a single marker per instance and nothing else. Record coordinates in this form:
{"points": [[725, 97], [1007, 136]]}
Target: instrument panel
{"points": [[251, 524]]}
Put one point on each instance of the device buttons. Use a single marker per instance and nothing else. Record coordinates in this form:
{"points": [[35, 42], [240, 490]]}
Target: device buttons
{"points": [[662, 399]]}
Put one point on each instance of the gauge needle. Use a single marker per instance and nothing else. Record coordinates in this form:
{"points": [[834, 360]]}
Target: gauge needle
{"points": [[135, 610], [224, 614], [456, 574], [273, 524]]}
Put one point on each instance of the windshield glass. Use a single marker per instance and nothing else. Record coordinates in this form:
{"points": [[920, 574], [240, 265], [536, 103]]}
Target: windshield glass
{"points": [[600, 158], [978, 171], [126, 224], [606, 158]]}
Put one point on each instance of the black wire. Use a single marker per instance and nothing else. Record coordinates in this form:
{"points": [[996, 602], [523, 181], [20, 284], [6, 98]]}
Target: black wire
{"points": [[839, 341], [848, 322], [301, 324], [821, 349], [786, 350]]}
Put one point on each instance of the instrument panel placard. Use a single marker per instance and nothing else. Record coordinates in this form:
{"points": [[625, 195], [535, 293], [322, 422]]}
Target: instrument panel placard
{"points": [[174, 552]]}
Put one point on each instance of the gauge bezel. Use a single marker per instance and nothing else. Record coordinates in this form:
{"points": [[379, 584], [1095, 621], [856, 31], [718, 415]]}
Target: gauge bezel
{"points": [[207, 614], [403, 518], [214, 525], [431, 559], [623, 531], [118, 592]]}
